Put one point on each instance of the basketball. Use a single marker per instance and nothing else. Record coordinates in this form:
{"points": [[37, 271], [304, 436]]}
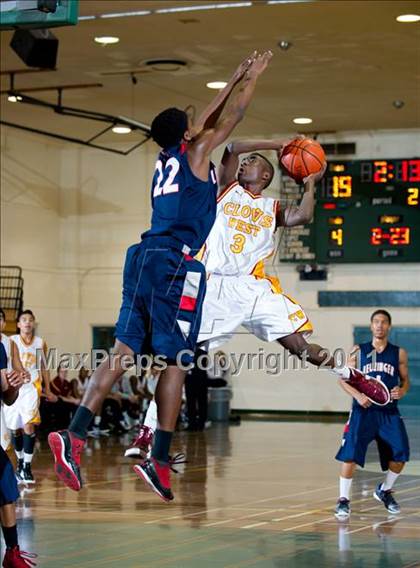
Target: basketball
{"points": [[303, 156]]}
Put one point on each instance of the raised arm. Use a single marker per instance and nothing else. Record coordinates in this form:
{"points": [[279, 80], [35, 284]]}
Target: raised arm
{"points": [[292, 216], [230, 160], [212, 112], [201, 147]]}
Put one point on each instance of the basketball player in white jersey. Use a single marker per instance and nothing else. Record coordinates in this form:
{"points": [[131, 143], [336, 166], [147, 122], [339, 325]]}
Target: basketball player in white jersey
{"points": [[23, 415], [13, 364], [238, 290], [242, 238]]}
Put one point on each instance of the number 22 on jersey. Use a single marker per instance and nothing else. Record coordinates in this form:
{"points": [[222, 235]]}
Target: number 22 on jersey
{"points": [[165, 180]]}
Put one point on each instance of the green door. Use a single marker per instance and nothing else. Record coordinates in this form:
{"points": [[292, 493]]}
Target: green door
{"points": [[103, 337]]}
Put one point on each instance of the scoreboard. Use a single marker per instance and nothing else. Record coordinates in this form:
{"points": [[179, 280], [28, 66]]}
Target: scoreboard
{"points": [[366, 211]]}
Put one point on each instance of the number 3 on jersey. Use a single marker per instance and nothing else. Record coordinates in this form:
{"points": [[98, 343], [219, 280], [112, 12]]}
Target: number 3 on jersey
{"points": [[166, 176], [238, 243]]}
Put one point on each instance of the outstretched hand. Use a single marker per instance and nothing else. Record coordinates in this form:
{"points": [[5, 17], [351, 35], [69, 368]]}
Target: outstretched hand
{"points": [[243, 67], [259, 64]]}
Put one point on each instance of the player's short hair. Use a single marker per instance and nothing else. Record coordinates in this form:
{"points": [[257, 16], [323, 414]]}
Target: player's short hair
{"points": [[169, 126], [26, 313], [268, 167], [381, 312]]}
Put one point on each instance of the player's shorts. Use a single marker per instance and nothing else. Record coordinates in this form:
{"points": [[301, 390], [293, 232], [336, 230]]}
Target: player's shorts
{"points": [[368, 424], [8, 486], [163, 292], [232, 301], [25, 409]]}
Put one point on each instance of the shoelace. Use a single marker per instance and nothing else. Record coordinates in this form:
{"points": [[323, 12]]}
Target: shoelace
{"points": [[142, 432], [27, 556], [177, 459]]}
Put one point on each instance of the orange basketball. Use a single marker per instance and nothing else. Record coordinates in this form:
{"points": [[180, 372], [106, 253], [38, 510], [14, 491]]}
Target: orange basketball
{"points": [[302, 157]]}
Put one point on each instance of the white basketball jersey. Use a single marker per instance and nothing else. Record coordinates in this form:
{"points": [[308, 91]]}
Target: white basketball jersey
{"points": [[242, 236], [8, 348], [27, 354]]}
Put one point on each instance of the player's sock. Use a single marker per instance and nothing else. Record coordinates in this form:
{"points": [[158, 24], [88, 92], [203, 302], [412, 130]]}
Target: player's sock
{"points": [[28, 447], [18, 445], [81, 421], [390, 479], [345, 487], [161, 445], [10, 536], [344, 372], [151, 416]]}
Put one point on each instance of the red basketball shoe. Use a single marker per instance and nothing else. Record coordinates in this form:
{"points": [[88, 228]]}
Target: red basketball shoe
{"points": [[376, 391], [16, 558], [157, 476], [66, 448], [142, 445]]}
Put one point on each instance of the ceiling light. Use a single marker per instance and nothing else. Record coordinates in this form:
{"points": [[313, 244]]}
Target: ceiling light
{"points": [[82, 18], [216, 84], [203, 7], [121, 129], [302, 120], [408, 18], [107, 40], [272, 2], [14, 98], [126, 14]]}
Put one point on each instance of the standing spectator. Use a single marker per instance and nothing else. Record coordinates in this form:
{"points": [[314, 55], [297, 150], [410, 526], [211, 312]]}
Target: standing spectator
{"points": [[23, 416]]}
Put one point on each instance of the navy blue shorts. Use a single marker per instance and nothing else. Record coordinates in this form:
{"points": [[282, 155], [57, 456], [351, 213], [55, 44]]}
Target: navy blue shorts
{"points": [[163, 293], [366, 425], [8, 486]]}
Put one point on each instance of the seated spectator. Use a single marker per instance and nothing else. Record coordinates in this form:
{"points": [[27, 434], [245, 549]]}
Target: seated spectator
{"points": [[112, 413], [80, 384], [60, 412], [131, 398]]}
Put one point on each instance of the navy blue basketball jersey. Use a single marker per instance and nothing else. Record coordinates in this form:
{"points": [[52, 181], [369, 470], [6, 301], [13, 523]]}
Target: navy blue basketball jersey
{"points": [[383, 366], [184, 207]]}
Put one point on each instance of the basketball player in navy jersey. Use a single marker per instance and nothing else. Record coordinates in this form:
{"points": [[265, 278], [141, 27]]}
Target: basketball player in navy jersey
{"points": [[10, 383], [367, 422], [163, 285]]}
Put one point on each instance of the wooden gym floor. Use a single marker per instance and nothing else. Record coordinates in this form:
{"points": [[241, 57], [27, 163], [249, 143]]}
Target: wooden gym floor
{"points": [[259, 494]]}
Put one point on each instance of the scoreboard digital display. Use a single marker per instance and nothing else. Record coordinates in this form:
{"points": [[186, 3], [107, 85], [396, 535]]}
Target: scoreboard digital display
{"points": [[366, 211]]}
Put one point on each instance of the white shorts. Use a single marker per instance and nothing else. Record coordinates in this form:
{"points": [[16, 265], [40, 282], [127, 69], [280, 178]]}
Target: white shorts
{"points": [[5, 437], [25, 410], [232, 301]]}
